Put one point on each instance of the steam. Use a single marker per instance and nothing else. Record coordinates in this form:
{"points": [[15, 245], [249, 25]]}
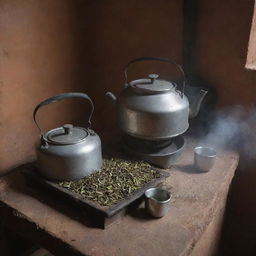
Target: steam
{"points": [[233, 128]]}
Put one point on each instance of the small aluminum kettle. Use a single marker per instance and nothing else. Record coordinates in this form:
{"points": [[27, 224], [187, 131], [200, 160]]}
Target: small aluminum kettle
{"points": [[153, 108], [68, 152]]}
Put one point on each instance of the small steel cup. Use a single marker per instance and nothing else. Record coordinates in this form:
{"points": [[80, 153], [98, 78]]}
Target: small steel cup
{"points": [[157, 202], [204, 158]]}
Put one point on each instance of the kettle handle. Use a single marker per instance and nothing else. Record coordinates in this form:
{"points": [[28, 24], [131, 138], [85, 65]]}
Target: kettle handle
{"points": [[158, 59], [61, 97]]}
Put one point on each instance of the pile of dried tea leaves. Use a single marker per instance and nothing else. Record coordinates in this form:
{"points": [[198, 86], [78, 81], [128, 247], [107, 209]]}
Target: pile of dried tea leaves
{"points": [[113, 182]]}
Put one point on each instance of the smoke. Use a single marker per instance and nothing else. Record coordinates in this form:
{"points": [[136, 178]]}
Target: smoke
{"points": [[233, 128]]}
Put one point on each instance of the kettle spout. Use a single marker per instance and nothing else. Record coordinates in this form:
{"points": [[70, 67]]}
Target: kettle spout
{"points": [[112, 97], [195, 103]]}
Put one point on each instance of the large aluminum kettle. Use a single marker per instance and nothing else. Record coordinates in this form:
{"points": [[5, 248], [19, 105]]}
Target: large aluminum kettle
{"points": [[68, 152], [153, 108]]}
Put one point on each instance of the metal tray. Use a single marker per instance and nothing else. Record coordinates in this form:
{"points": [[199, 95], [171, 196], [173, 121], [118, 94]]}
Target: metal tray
{"points": [[164, 157]]}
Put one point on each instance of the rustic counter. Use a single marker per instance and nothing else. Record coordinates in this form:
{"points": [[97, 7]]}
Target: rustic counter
{"points": [[191, 227]]}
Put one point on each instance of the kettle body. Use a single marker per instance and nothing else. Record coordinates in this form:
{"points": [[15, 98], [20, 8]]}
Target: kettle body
{"points": [[153, 116]]}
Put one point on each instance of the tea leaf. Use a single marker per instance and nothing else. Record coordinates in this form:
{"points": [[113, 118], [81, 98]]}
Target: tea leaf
{"points": [[113, 182]]}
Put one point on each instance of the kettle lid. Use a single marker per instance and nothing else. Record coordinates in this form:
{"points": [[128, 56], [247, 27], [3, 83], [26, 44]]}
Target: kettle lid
{"points": [[151, 85], [67, 134]]}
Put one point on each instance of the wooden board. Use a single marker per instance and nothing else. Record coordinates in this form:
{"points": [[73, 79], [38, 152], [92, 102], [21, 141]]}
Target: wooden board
{"points": [[97, 215]]}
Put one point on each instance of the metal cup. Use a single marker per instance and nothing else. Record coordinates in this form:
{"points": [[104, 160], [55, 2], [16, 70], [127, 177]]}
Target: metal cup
{"points": [[204, 158], [157, 202]]}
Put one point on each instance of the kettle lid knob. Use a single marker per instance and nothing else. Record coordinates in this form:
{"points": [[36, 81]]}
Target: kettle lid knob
{"points": [[68, 128], [153, 77]]}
